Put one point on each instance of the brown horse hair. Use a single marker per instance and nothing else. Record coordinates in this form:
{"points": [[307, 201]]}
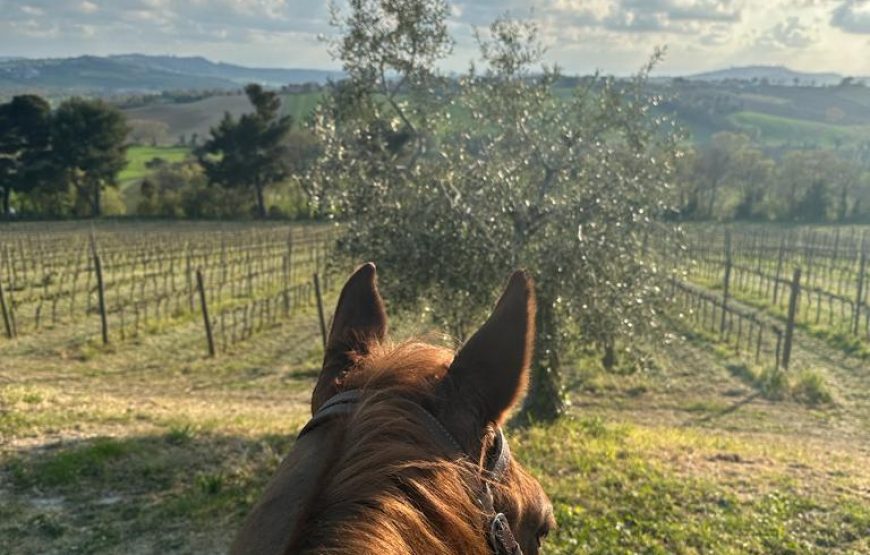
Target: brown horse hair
{"points": [[389, 487]]}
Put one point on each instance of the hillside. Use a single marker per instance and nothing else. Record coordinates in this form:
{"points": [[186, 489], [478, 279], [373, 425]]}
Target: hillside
{"points": [[189, 118], [776, 75], [138, 73], [776, 105], [775, 115]]}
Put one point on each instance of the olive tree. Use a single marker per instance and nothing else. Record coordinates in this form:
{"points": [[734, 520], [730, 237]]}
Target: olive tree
{"points": [[451, 184]]}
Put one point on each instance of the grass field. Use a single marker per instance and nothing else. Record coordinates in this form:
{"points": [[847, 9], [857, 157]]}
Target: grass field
{"points": [[199, 117], [131, 176], [148, 446], [774, 130], [138, 156]]}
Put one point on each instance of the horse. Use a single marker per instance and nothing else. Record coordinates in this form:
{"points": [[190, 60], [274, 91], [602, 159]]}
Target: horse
{"points": [[404, 452]]}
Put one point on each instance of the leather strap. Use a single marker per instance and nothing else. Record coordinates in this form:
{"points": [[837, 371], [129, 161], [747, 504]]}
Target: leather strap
{"points": [[342, 403]]}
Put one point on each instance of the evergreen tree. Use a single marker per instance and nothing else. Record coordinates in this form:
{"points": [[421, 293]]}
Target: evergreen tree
{"points": [[88, 148], [24, 141], [248, 152]]}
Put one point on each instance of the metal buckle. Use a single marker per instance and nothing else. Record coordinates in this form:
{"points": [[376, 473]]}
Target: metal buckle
{"points": [[501, 538]]}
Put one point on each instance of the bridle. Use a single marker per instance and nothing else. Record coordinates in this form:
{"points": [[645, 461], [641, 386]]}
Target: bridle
{"points": [[498, 533]]}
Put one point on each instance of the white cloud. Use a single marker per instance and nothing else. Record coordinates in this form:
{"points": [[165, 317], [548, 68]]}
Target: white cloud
{"points": [[788, 34]]}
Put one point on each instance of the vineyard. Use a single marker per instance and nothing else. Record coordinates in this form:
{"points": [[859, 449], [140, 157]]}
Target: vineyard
{"points": [[129, 280], [752, 287], [153, 375]]}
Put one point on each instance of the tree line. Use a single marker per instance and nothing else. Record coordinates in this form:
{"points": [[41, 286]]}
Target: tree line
{"points": [[66, 161], [60, 160], [732, 178]]}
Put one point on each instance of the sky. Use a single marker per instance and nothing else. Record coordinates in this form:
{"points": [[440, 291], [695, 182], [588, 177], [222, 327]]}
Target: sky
{"points": [[614, 36]]}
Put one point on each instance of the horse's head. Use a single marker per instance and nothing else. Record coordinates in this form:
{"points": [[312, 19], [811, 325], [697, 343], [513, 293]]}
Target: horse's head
{"points": [[404, 452]]}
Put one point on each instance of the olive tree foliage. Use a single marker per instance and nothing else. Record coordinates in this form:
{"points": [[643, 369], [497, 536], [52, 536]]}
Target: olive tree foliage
{"points": [[449, 186]]}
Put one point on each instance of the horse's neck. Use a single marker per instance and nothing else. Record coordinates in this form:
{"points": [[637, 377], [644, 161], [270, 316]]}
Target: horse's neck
{"points": [[271, 525]]}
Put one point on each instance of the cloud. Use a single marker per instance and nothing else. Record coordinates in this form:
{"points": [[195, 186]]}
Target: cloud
{"points": [[88, 7], [670, 16], [791, 33], [852, 16]]}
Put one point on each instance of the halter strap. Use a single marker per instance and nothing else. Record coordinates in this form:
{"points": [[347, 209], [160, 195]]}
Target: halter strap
{"points": [[340, 404], [498, 534]]}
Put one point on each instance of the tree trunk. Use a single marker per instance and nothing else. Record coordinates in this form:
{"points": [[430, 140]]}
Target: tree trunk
{"points": [[711, 206], [843, 209], [544, 402], [7, 201], [608, 359], [261, 201], [97, 201]]}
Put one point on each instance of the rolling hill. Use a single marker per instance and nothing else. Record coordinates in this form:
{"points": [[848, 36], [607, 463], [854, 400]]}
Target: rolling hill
{"points": [[138, 73], [776, 105], [198, 117], [775, 75]]}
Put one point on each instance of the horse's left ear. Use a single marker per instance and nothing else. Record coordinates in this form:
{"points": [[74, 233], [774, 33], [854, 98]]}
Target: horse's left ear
{"points": [[359, 321], [491, 371]]}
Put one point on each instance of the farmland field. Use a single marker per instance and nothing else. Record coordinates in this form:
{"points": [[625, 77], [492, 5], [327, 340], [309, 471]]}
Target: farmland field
{"points": [[138, 156], [199, 117], [145, 443], [777, 130]]}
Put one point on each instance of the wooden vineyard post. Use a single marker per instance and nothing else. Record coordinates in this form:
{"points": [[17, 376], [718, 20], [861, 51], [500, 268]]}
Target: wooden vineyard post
{"points": [[200, 284], [285, 286], [189, 276], [726, 282], [101, 290], [792, 311], [778, 270], [860, 296], [778, 346], [320, 308], [758, 343], [7, 321]]}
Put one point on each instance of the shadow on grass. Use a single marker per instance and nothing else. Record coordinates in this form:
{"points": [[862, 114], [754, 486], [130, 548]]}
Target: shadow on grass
{"points": [[165, 492], [732, 408]]}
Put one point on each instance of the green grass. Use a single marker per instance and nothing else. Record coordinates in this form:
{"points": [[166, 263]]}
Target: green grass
{"points": [[616, 488], [69, 467], [811, 388], [618, 491], [775, 384], [776, 130], [616, 494], [300, 105], [138, 156]]}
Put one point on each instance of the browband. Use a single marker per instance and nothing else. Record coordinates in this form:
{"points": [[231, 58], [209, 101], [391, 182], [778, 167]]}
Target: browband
{"points": [[344, 403]]}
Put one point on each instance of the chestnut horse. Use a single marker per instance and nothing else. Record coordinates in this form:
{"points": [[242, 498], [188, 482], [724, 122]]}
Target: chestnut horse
{"points": [[404, 453]]}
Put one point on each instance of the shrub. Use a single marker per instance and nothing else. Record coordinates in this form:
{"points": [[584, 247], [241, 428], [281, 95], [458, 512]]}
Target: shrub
{"points": [[773, 384], [810, 388]]}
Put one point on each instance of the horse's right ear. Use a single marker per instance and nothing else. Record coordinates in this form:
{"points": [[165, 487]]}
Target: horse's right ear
{"points": [[490, 373], [360, 320]]}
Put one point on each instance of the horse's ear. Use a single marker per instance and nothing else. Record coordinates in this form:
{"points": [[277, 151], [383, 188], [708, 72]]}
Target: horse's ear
{"points": [[491, 371], [360, 320]]}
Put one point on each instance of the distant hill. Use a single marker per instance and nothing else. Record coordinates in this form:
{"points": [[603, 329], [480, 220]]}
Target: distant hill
{"points": [[773, 115], [775, 75], [138, 73]]}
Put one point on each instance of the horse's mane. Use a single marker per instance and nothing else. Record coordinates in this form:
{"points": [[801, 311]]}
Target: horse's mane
{"points": [[386, 492]]}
